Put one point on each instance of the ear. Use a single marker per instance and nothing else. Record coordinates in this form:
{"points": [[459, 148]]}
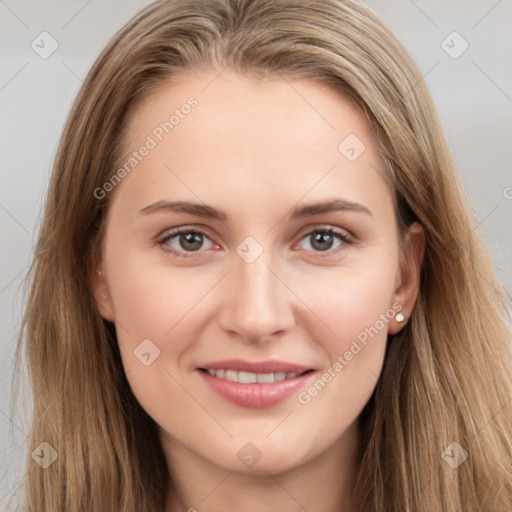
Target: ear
{"points": [[408, 279], [101, 290]]}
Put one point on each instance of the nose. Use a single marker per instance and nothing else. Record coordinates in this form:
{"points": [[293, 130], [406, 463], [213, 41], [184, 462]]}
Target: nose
{"points": [[256, 301]]}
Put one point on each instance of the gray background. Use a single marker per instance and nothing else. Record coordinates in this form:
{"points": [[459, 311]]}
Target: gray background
{"points": [[473, 94]]}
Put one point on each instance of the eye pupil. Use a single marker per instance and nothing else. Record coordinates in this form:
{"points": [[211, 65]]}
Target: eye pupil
{"points": [[320, 237], [193, 238]]}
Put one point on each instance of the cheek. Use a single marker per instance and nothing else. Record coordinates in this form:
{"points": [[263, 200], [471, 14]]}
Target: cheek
{"points": [[353, 310], [333, 401], [356, 306], [154, 302], [350, 300], [150, 298], [156, 311]]}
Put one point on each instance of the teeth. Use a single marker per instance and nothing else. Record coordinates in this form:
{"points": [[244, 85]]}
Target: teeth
{"points": [[231, 375], [265, 378], [279, 376], [251, 378], [246, 377]]}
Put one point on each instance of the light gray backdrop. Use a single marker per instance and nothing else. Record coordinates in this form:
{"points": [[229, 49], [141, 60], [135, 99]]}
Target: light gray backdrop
{"points": [[463, 48]]}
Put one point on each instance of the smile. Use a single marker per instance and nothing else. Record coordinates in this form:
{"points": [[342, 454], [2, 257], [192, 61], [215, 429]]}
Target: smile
{"points": [[254, 384]]}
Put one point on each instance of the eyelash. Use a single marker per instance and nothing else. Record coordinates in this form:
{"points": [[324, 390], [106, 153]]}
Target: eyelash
{"points": [[162, 242]]}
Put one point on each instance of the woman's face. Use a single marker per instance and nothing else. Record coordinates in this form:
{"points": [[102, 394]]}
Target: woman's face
{"points": [[288, 263]]}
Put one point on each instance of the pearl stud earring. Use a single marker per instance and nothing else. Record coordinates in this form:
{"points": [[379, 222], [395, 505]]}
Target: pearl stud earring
{"points": [[400, 317]]}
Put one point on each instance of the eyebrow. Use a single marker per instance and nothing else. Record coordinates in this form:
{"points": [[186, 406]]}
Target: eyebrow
{"points": [[209, 212]]}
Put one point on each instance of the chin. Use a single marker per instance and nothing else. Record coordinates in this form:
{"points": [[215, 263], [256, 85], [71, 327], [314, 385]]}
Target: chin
{"points": [[264, 466], [262, 457]]}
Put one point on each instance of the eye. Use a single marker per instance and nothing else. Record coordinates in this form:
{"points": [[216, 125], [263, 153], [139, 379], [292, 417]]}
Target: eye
{"points": [[180, 241], [322, 240], [184, 242]]}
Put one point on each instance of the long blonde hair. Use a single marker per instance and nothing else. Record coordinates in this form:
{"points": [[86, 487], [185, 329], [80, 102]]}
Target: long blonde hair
{"points": [[446, 375]]}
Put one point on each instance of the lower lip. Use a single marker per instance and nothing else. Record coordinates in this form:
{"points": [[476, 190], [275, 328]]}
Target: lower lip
{"points": [[255, 396]]}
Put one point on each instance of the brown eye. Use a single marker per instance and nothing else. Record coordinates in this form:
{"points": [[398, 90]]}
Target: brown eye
{"points": [[190, 241], [324, 240], [183, 241]]}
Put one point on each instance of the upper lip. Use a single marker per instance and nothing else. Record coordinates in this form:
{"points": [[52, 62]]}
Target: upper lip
{"points": [[269, 366]]}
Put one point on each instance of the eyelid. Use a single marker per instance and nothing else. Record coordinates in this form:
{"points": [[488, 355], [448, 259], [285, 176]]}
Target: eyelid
{"points": [[325, 227], [180, 229]]}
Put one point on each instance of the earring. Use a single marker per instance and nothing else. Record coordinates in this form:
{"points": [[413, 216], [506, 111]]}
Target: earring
{"points": [[105, 298], [400, 317]]}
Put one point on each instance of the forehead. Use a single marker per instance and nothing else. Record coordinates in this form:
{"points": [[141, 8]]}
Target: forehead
{"points": [[277, 139], [232, 100]]}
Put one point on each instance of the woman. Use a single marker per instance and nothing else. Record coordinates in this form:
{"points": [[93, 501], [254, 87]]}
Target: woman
{"points": [[259, 368]]}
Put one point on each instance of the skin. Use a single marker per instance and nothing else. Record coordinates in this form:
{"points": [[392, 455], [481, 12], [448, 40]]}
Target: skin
{"points": [[256, 150]]}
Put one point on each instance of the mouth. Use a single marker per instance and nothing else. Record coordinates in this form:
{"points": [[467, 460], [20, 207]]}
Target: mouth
{"points": [[255, 384]]}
